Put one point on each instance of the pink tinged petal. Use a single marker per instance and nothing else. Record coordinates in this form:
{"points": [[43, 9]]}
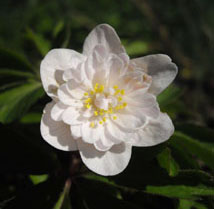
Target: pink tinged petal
{"points": [[130, 121], [77, 74], [152, 111], [160, 67], [105, 35], [76, 131], [140, 99], [107, 163], [116, 69], [104, 143], [155, 132], [56, 133], [57, 110], [75, 89], [71, 116], [66, 98], [117, 134], [89, 134], [125, 58], [53, 66]]}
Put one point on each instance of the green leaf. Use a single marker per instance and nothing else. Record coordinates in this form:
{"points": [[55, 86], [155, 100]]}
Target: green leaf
{"points": [[36, 179], [64, 199], [204, 134], [13, 60], [136, 47], [41, 44], [169, 95], [180, 191], [15, 102], [188, 204], [58, 28], [167, 162], [201, 150], [32, 117]]}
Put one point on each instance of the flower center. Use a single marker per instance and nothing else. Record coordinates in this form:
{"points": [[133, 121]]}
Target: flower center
{"points": [[104, 103]]}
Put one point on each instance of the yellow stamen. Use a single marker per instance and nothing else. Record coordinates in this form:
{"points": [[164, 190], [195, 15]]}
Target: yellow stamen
{"points": [[96, 87], [117, 92], [101, 89], [115, 87], [92, 124], [104, 119], [122, 91], [110, 110], [124, 104], [89, 100], [88, 106], [114, 117], [95, 113], [86, 94], [119, 98], [92, 92], [101, 122], [101, 112]]}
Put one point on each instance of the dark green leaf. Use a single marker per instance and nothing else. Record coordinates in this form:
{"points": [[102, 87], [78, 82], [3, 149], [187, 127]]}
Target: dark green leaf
{"points": [[189, 204], [204, 134], [41, 44], [64, 199], [13, 60], [166, 161], [201, 150], [180, 191], [15, 102]]}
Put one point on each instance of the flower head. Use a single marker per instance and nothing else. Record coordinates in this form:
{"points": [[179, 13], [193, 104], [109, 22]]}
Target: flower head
{"points": [[103, 102]]}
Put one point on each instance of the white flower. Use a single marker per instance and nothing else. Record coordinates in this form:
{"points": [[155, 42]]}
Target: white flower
{"points": [[103, 102]]}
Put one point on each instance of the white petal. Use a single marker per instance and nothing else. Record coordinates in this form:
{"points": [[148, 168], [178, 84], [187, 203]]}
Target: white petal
{"points": [[140, 99], [155, 132], [53, 66], [160, 67], [66, 98], [104, 143], [75, 89], [76, 131], [117, 133], [89, 134], [57, 110], [152, 111], [56, 133], [116, 69], [103, 34], [107, 163], [130, 120], [71, 116]]}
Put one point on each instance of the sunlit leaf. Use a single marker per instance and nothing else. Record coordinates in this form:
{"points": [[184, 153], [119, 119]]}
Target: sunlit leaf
{"points": [[36, 179]]}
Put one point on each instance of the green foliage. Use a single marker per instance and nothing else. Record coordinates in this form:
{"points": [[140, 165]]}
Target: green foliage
{"points": [[166, 161]]}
